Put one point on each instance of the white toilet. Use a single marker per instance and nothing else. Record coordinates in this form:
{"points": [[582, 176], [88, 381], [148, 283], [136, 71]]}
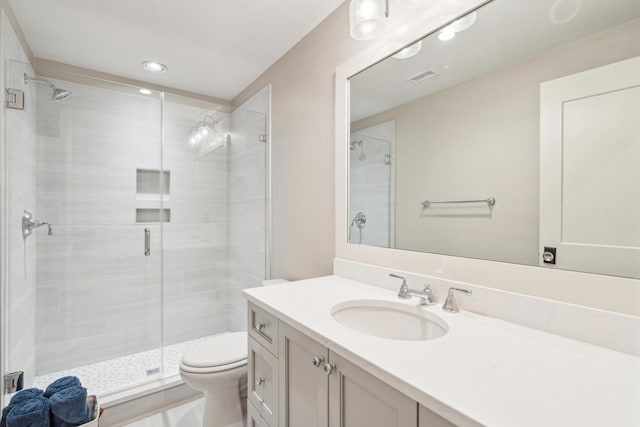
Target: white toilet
{"points": [[218, 367]]}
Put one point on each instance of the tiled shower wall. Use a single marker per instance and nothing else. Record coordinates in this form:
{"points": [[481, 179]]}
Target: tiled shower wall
{"points": [[19, 148], [98, 296], [247, 203], [196, 242]]}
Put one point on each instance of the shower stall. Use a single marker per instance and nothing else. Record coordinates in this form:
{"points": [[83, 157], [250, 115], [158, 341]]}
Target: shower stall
{"points": [[158, 211], [372, 172]]}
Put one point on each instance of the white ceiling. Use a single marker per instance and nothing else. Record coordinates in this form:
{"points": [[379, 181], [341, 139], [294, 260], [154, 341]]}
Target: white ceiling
{"points": [[505, 32], [212, 47]]}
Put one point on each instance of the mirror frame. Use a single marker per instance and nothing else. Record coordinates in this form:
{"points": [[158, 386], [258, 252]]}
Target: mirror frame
{"points": [[587, 289]]}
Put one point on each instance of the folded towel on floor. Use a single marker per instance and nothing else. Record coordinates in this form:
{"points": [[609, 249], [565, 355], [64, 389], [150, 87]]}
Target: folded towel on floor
{"points": [[60, 384], [69, 406], [20, 396], [33, 412]]}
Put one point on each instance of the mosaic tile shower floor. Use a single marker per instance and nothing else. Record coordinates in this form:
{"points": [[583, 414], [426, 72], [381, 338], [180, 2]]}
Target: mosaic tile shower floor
{"points": [[117, 374]]}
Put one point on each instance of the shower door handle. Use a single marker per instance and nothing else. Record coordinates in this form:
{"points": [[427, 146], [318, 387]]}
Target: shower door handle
{"points": [[147, 242]]}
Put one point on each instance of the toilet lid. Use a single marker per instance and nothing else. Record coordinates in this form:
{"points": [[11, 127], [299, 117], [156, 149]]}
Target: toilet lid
{"points": [[218, 351]]}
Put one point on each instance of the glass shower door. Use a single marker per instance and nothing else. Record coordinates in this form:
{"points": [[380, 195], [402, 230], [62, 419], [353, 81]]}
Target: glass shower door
{"points": [[94, 172]]}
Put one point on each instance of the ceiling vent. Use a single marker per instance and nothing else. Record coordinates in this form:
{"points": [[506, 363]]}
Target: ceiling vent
{"points": [[424, 75]]}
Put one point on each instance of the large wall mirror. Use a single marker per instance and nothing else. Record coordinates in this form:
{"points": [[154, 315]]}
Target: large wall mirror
{"points": [[511, 134]]}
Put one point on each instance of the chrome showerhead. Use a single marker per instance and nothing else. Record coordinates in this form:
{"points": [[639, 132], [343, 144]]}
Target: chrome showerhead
{"points": [[58, 93], [360, 142]]}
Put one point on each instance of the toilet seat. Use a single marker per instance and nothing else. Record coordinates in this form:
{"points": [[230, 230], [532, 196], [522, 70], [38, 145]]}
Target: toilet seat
{"points": [[220, 353]]}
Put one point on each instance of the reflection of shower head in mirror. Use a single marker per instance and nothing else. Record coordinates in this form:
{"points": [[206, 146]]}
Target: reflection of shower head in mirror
{"points": [[361, 157], [353, 144]]}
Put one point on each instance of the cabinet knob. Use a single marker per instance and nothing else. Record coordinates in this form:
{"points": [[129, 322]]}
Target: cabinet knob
{"points": [[317, 361], [260, 326], [259, 381], [329, 368]]}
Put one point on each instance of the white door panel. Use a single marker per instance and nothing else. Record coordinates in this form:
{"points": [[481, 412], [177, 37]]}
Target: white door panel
{"points": [[590, 169]]}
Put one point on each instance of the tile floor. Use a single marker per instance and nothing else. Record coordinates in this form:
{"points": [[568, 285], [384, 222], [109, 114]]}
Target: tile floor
{"points": [[114, 375], [186, 415]]}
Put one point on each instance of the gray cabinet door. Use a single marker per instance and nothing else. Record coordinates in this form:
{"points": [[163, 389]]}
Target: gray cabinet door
{"points": [[303, 386], [358, 399], [431, 419], [254, 419], [262, 381]]}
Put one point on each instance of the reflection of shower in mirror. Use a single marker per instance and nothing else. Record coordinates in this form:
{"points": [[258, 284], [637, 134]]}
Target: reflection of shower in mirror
{"points": [[360, 142], [360, 220]]}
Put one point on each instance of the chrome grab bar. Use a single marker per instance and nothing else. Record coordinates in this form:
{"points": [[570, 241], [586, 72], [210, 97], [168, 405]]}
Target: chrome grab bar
{"points": [[490, 202]]}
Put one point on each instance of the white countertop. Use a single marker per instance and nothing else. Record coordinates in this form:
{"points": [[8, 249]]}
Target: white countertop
{"points": [[484, 371]]}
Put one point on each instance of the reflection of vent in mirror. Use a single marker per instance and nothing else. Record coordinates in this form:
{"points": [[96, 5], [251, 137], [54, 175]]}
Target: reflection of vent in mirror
{"points": [[152, 215], [148, 182], [423, 76]]}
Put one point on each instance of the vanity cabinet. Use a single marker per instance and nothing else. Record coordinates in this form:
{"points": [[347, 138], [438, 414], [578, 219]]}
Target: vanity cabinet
{"points": [[428, 418], [304, 386], [254, 419], [318, 388]]}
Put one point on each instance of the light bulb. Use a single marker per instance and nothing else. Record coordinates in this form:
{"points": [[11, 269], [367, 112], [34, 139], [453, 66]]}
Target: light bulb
{"points": [[446, 35], [204, 131], [192, 141], [366, 18], [197, 137], [409, 51]]}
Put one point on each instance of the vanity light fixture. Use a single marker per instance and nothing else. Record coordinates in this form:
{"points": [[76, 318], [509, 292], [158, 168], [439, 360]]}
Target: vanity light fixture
{"points": [[145, 91], [154, 67], [410, 4], [205, 134], [449, 32], [366, 18], [409, 51]]}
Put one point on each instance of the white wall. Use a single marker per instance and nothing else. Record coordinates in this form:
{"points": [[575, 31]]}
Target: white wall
{"points": [[440, 159], [302, 131], [305, 170]]}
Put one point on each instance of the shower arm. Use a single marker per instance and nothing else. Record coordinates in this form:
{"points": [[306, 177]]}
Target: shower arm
{"points": [[28, 78]]}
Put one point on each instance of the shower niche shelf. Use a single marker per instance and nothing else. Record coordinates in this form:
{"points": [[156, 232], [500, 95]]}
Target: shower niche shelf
{"points": [[149, 185], [145, 215], [152, 185]]}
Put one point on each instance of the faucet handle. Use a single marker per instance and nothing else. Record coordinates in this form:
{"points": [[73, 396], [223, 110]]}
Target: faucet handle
{"points": [[450, 303]]}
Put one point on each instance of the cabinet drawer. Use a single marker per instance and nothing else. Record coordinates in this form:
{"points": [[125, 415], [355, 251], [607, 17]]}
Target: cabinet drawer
{"points": [[264, 328], [254, 419], [263, 381]]}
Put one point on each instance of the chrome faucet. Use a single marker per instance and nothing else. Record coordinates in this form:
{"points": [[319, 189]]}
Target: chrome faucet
{"points": [[450, 303], [426, 295], [29, 224]]}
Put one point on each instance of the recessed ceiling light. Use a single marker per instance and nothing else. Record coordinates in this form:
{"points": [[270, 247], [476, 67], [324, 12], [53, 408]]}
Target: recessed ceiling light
{"points": [[154, 67], [145, 91], [445, 35], [409, 51], [449, 32]]}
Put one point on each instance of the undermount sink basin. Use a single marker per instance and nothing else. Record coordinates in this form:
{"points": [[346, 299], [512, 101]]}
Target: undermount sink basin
{"points": [[388, 319]]}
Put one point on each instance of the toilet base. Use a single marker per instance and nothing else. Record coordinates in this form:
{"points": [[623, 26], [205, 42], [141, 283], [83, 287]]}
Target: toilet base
{"points": [[223, 410], [224, 393]]}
